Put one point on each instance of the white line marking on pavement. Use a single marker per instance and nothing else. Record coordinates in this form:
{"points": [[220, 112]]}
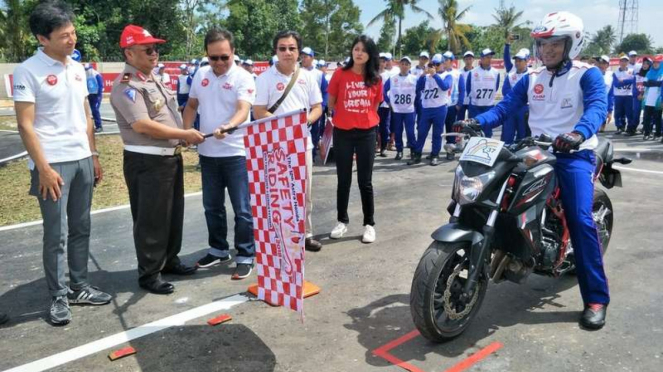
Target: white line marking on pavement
{"points": [[8, 131], [17, 156], [132, 334], [125, 206], [635, 149], [638, 170]]}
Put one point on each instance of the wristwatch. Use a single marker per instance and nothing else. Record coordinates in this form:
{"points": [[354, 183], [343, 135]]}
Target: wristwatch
{"points": [[95, 153]]}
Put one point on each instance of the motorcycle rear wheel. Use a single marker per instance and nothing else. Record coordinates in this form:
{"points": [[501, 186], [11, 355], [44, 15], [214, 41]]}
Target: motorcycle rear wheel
{"points": [[436, 319]]}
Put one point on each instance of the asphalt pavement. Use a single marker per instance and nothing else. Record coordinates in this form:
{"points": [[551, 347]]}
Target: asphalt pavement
{"points": [[362, 309]]}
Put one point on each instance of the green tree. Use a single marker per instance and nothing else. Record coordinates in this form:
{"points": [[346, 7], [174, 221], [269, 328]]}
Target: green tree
{"points": [[641, 43], [417, 38], [395, 10], [454, 31], [17, 42], [507, 19], [386, 41], [329, 26], [602, 42]]}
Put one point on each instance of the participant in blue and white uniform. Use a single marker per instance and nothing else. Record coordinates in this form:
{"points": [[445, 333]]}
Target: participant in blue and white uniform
{"points": [[622, 87], [183, 86], [518, 129], [309, 64], [464, 100], [603, 63], [638, 95], [384, 112], [482, 84], [433, 95], [457, 92], [567, 100], [95, 88], [420, 69], [400, 94]]}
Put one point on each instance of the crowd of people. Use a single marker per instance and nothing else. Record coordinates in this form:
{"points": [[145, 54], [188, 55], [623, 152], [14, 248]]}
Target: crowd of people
{"points": [[372, 100]]}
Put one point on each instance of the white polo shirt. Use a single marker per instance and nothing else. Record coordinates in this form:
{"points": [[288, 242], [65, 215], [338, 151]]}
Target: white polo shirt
{"points": [[217, 97], [305, 93], [59, 93]]}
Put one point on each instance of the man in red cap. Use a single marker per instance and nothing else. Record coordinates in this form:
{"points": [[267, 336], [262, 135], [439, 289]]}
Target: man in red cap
{"points": [[153, 135]]}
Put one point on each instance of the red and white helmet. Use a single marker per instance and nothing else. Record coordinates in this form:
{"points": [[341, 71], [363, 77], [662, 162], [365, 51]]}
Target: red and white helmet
{"points": [[562, 25]]}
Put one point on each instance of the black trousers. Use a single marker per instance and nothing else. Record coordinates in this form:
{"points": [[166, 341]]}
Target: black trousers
{"points": [[651, 120], [156, 195], [346, 144]]}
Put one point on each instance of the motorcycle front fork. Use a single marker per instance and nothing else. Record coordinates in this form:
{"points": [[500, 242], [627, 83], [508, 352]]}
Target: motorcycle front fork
{"points": [[480, 250]]}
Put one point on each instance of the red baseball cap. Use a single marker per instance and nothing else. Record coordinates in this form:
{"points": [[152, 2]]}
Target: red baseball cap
{"points": [[658, 58], [136, 35]]}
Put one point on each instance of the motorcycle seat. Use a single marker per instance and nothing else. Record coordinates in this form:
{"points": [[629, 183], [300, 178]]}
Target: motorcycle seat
{"points": [[604, 150]]}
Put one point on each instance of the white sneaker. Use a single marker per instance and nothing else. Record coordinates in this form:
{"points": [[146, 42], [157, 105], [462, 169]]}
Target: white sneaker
{"points": [[338, 231], [369, 234]]}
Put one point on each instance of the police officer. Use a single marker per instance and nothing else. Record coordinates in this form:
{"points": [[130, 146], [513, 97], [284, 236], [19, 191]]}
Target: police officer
{"points": [[95, 88], [400, 94], [482, 84], [151, 129], [518, 128], [433, 96]]}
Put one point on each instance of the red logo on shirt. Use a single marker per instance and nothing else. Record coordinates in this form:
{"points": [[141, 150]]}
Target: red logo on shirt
{"points": [[538, 88], [476, 74], [227, 86], [301, 81], [79, 78], [52, 79], [205, 82], [250, 91], [280, 86]]}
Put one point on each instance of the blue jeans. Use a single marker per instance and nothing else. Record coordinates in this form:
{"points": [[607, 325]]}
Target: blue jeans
{"points": [[575, 173], [217, 175]]}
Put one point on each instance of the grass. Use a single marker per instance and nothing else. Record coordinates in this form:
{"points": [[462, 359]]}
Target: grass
{"points": [[8, 123], [17, 206]]}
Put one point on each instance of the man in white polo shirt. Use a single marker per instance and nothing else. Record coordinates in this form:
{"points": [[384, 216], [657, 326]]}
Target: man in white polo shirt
{"points": [[223, 94], [54, 121], [305, 94]]}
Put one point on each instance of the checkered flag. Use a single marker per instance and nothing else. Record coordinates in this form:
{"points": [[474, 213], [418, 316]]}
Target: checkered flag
{"points": [[276, 162]]}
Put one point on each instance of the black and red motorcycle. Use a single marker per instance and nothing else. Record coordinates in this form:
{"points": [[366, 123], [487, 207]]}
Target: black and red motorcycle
{"points": [[506, 222]]}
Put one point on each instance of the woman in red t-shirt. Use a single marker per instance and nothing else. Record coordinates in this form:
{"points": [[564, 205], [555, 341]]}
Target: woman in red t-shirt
{"points": [[355, 92]]}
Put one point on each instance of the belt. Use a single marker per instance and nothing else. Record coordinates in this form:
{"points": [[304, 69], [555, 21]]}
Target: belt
{"points": [[154, 150]]}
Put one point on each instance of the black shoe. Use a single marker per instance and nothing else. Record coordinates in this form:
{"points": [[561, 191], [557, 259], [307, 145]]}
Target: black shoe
{"points": [[180, 269], [629, 133], [646, 137], [98, 130], [312, 245], [434, 161], [451, 156], [416, 159], [4, 318], [399, 156], [383, 153], [158, 287], [619, 131], [429, 157], [242, 271], [593, 317], [211, 260]]}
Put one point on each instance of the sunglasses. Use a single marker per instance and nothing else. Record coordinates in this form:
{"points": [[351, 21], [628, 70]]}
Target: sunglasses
{"points": [[284, 49], [217, 58], [149, 51]]}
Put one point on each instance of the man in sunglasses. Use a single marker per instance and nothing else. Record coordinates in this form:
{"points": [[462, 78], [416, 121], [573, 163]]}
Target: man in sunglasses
{"points": [[153, 135], [223, 93], [305, 94]]}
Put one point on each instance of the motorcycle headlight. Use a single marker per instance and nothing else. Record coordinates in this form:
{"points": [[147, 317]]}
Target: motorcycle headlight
{"points": [[468, 189]]}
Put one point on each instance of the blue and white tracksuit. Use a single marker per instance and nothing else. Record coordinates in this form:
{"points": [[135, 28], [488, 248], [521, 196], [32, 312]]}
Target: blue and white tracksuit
{"points": [[457, 93], [638, 89], [482, 86], [400, 92], [573, 99], [319, 126], [623, 92], [95, 88], [433, 96], [609, 90], [464, 99], [518, 128], [384, 112], [183, 89]]}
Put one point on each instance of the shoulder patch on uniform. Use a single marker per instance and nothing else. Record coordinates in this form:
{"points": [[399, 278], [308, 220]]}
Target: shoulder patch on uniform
{"points": [[141, 76], [131, 94], [126, 77]]}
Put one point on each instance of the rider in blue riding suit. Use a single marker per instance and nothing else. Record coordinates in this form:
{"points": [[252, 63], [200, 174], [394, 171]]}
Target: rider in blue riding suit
{"points": [[567, 100]]}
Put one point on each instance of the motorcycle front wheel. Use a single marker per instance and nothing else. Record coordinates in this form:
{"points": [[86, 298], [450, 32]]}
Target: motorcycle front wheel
{"points": [[437, 309]]}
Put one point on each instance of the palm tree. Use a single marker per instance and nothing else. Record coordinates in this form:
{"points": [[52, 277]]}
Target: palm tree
{"points": [[604, 39], [507, 19], [454, 31], [396, 10]]}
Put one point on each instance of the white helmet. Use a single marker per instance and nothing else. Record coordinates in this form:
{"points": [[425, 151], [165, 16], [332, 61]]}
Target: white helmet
{"points": [[562, 25]]}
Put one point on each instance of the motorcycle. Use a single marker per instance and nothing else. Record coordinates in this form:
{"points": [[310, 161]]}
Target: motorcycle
{"points": [[507, 221]]}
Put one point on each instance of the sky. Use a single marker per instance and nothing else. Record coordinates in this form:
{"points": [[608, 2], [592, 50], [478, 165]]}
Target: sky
{"points": [[595, 13]]}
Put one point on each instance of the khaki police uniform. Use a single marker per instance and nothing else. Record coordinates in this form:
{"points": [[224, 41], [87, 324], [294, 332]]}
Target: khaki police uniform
{"points": [[153, 170]]}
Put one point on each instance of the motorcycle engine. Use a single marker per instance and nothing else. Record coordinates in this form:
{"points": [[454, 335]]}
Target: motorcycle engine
{"points": [[550, 243]]}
